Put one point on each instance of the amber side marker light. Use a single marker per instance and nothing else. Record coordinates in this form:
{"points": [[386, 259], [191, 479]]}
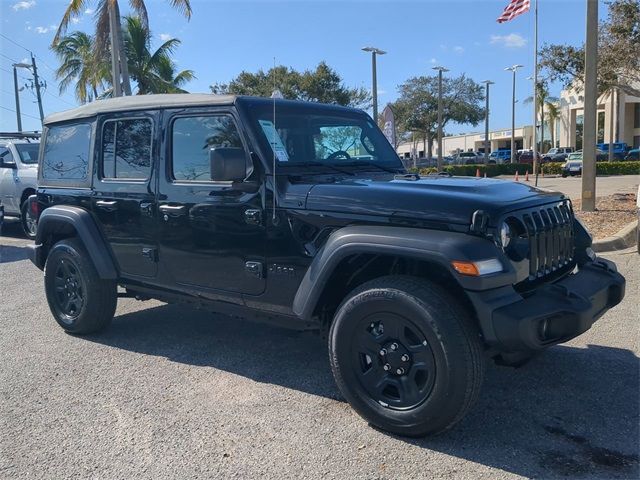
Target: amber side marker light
{"points": [[477, 269]]}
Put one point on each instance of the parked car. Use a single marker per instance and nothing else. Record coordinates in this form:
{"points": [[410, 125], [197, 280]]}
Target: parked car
{"points": [[620, 149], [500, 156], [19, 175], [1, 216], [416, 281], [557, 154], [600, 155], [634, 154], [572, 167], [527, 157], [468, 158]]}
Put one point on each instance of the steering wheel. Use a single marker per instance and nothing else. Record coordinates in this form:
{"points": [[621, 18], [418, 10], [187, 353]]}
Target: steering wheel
{"points": [[339, 153]]}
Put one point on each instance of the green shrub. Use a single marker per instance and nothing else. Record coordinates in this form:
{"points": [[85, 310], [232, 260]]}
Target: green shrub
{"points": [[551, 168]]}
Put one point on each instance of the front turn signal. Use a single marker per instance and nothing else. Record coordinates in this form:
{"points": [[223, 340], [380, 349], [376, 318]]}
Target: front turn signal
{"points": [[477, 269]]}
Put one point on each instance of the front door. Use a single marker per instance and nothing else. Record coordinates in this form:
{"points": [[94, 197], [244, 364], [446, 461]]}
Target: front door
{"points": [[211, 234], [124, 185]]}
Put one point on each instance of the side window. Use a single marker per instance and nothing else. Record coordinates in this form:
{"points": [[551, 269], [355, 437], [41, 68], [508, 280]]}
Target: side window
{"points": [[126, 149], [193, 137], [5, 155], [66, 152]]}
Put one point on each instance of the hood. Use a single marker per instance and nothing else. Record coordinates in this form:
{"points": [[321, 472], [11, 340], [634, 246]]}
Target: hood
{"points": [[438, 199]]}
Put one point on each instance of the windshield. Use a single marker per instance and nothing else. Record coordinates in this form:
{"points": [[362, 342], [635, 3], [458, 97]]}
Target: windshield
{"points": [[28, 152], [306, 134]]}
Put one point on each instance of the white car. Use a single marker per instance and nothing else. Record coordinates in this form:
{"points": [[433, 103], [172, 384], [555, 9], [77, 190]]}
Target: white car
{"points": [[19, 176]]}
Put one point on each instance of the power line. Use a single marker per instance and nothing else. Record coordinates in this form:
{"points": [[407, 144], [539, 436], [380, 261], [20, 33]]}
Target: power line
{"points": [[9, 58], [22, 113]]}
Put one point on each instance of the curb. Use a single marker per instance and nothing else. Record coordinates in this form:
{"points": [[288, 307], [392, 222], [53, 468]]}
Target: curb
{"points": [[625, 238]]}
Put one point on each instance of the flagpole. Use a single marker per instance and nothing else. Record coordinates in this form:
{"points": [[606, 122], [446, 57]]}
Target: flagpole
{"points": [[535, 95]]}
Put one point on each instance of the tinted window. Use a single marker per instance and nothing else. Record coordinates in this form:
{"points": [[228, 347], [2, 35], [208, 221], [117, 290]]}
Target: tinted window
{"points": [[66, 152], [5, 155], [126, 149], [193, 137], [28, 152]]}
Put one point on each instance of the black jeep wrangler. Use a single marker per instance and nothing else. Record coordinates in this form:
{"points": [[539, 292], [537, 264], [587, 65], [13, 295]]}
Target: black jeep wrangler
{"points": [[302, 214]]}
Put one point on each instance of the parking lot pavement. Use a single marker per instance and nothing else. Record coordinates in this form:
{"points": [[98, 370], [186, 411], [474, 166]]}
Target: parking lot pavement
{"points": [[170, 392], [572, 186]]}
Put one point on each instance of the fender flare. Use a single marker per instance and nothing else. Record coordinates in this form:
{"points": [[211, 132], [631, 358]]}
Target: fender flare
{"points": [[436, 246], [66, 219]]}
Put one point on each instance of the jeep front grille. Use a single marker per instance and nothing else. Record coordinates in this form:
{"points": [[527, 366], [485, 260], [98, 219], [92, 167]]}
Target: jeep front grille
{"points": [[550, 233]]}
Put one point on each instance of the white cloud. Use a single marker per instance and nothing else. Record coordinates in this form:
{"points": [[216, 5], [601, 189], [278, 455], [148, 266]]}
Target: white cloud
{"points": [[89, 11], [48, 29], [75, 20], [513, 40], [165, 36], [433, 60], [24, 5], [458, 49]]}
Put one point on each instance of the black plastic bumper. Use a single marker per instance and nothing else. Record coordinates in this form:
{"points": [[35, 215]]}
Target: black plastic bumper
{"points": [[553, 313]]}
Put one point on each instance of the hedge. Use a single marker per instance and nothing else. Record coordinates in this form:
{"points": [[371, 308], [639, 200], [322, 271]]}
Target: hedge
{"points": [[552, 168]]}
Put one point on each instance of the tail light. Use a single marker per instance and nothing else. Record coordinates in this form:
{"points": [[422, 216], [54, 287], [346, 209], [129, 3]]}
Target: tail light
{"points": [[34, 207]]}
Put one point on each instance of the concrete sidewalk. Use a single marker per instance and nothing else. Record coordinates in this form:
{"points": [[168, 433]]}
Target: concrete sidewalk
{"points": [[572, 185]]}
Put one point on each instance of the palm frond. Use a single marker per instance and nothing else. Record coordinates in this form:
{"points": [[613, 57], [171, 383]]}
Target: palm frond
{"points": [[74, 8]]}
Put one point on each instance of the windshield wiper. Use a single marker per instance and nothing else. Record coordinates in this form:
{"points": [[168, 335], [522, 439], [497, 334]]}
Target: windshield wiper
{"points": [[364, 163]]}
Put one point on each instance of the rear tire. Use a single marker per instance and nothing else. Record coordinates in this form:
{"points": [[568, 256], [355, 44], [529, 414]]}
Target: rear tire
{"points": [[28, 222], [80, 301], [404, 354]]}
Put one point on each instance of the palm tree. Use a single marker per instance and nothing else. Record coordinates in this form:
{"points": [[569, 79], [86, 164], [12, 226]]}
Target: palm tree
{"points": [[553, 114], [81, 66], [542, 99], [108, 31], [154, 72]]}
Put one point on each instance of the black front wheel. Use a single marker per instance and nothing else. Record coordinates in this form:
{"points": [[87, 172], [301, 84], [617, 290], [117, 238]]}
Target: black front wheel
{"points": [[406, 356], [81, 301]]}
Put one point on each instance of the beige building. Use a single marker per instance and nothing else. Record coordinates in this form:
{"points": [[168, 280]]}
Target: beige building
{"points": [[618, 119], [470, 142]]}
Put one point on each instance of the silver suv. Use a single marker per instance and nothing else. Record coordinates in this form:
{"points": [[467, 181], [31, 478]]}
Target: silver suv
{"points": [[19, 176]]}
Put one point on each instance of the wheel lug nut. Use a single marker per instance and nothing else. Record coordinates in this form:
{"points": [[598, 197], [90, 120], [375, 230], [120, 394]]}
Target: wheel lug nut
{"points": [[394, 346], [383, 352], [400, 371], [405, 358], [387, 367]]}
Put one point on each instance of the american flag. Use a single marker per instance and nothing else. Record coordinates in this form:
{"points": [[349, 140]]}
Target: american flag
{"points": [[515, 8]]}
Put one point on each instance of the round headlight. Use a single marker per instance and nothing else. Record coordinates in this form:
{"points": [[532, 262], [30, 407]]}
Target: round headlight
{"points": [[505, 235]]}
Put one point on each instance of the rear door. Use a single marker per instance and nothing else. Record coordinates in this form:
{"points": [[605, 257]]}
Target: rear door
{"points": [[211, 234], [124, 185], [8, 181]]}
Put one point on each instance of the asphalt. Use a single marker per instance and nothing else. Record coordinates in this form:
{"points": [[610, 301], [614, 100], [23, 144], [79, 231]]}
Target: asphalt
{"points": [[169, 392], [572, 186]]}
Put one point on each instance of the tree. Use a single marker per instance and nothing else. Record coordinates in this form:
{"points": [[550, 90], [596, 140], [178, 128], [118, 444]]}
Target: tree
{"points": [[618, 53], [154, 72], [417, 108], [543, 99], [320, 85], [81, 66], [107, 14], [553, 114]]}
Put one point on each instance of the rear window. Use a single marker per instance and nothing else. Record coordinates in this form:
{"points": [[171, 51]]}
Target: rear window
{"points": [[28, 152], [126, 149], [66, 152]]}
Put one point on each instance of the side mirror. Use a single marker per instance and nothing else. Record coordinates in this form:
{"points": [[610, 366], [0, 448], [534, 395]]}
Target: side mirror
{"points": [[228, 164], [4, 164]]}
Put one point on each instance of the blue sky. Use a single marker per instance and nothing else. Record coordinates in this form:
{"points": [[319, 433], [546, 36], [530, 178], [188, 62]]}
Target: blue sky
{"points": [[224, 38]]}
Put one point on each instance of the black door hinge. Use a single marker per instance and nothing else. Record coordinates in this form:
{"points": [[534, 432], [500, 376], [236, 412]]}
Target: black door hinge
{"points": [[254, 269], [253, 216], [150, 253]]}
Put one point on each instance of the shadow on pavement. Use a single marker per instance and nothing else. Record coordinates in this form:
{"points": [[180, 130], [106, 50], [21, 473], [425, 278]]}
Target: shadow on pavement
{"points": [[11, 253], [571, 412]]}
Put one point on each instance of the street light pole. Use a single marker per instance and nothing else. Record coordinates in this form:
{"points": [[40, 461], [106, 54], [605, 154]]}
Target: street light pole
{"points": [[486, 121], [513, 69], [440, 71], [590, 109], [374, 78]]}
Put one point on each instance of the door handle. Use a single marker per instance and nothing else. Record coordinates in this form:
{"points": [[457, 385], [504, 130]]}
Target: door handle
{"points": [[108, 205], [174, 210]]}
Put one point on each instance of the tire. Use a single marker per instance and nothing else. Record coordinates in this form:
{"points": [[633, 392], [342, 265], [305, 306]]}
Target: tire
{"points": [[80, 301], [445, 365], [29, 224]]}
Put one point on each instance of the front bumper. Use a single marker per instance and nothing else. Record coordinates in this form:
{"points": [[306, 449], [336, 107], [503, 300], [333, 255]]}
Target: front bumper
{"points": [[551, 314]]}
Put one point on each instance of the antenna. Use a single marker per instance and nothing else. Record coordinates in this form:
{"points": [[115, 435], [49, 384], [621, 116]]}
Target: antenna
{"points": [[274, 218]]}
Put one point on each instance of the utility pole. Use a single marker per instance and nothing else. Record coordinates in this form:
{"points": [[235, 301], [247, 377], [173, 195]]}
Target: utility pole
{"points": [[37, 82], [513, 69], [15, 88], [486, 121], [115, 60], [374, 78], [590, 109], [440, 70]]}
